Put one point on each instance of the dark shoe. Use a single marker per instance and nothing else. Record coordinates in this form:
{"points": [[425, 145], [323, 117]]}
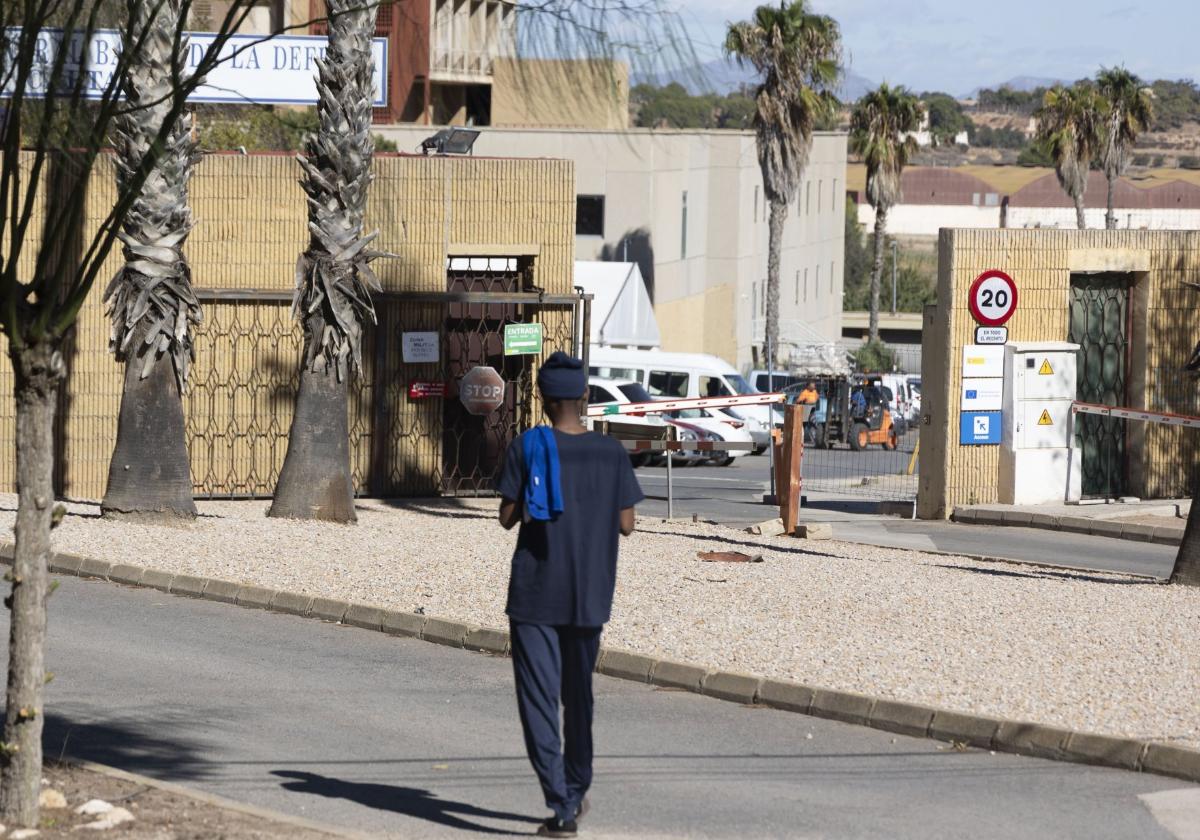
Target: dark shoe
{"points": [[582, 810], [554, 827]]}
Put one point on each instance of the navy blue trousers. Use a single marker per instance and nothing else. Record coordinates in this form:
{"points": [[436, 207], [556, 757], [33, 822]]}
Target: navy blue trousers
{"points": [[552, 664]]}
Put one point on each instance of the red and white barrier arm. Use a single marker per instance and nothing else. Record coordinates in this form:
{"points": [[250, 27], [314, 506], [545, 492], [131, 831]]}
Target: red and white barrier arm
{"points": [[674, 405], [685, 446], [1163, 417]]}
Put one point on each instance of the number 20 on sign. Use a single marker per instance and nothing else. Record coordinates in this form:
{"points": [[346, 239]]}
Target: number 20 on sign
{"points": [[992, 298]]}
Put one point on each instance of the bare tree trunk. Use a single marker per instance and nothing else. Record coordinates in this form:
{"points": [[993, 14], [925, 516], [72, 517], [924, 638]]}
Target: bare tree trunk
{"points": [[38, 370], [877, 273], [315, 482], [1187, 561], [1080, 216], [150, 476], [1110, 218], [779, 211]]}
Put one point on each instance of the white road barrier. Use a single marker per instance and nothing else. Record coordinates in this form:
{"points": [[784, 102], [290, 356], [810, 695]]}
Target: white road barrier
{"points": [[1166, 418], [659, 406]]}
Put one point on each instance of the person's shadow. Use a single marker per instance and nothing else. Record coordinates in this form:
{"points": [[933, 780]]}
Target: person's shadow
{"points": [[412, 802]]}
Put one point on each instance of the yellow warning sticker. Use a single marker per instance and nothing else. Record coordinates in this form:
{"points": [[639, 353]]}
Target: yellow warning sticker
{"points": [[1045, 369], [1045, 420]]}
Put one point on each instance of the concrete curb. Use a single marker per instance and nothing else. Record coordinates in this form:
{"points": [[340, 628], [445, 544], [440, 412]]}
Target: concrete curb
{"points": [[1161, 534], [1021, 737], [218, 801]]}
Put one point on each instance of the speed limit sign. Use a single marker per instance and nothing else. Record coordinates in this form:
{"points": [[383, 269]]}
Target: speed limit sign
{"points": [[993, 298]]}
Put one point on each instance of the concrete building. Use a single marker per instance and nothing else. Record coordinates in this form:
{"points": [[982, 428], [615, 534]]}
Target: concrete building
{"points": [[688, 208], [941, 197], [1120, 295]]}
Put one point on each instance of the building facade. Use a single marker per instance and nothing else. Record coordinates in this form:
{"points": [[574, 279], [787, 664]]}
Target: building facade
{"points": [[458, 232], [1118, 294], [688, 207]]}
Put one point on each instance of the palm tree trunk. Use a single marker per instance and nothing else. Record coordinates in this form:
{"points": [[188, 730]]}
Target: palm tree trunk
{"points": [[1187, 561], [1080, 215], [315, 482], [877, 273], [38, 371], [333, 279], [149, 476], [779, 211], [153, 306], [1110, 217]]}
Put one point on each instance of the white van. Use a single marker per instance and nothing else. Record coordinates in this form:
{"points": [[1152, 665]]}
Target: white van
{"points": [[681, 375]]}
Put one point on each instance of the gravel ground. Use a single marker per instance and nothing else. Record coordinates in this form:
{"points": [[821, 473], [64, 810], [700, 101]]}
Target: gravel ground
{"points": [[1104, 653]]}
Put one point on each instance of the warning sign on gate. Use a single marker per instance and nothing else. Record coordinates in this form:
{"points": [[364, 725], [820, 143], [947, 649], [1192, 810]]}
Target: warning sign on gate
{"points": [[1045, 369], [1045, 420]]}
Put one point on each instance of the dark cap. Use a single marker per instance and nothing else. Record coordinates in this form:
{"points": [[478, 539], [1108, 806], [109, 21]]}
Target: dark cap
{"points": [[562, 377]]}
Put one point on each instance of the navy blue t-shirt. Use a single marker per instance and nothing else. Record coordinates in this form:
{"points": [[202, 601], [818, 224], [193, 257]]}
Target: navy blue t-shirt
{"points": [[564, 571]]}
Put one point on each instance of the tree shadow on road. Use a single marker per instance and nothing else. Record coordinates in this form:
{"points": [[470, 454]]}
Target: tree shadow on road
{"points": [[412, 802], [136, 746]]}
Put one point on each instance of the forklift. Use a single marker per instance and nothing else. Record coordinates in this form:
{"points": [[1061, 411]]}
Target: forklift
{"points": [[846, 412]]}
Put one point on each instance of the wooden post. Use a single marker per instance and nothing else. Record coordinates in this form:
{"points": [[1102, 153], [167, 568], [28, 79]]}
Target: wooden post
{"points": [[788, 472]]}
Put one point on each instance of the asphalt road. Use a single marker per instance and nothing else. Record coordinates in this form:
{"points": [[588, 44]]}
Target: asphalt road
{"points": [[409, 739], [733, 496]]}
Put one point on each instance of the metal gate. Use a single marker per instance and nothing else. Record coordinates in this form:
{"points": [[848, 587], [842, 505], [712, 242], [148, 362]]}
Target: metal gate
{"points": [[1099, 324], [473, 446]]}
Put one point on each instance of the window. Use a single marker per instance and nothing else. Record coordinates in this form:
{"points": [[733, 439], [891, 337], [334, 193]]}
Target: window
{"points": [[831, 275], [753, 298], [808, 197], [756, 202], [817, 284], [820, 184], [599, 395], [806, 285], [762, 298], [589, 215], [714, 386], [683, 228], [797, 288], [635, 392], [833, 196], [667, 383]]}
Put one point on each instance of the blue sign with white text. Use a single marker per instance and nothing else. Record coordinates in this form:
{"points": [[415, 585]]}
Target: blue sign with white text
{"points": [[979, 428]]}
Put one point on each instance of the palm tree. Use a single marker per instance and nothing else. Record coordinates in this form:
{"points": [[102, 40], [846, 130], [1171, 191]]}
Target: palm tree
{"points": [[797, 53], [152, 305], [881, 129], [1128, 109], [333, 279], [1069, 124]]}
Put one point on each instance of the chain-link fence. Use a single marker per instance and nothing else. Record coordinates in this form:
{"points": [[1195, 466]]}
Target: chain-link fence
{"points": [[867, 462], [243, 389]]}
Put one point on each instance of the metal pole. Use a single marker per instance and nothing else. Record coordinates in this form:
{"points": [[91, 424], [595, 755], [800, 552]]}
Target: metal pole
{"points": [[771, 419], [671, 437], [893, 276]]}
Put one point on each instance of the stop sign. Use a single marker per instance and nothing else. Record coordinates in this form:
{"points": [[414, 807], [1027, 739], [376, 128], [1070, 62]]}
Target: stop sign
{"points": [[481, 390]]}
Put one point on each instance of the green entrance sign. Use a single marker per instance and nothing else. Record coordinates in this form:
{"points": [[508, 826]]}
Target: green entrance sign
{"points": [[520, 339]]}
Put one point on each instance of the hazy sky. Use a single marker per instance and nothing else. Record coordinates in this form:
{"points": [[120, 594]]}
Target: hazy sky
{"points": [[958, 45]]}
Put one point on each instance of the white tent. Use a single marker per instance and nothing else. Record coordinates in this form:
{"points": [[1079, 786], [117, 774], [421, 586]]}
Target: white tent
{"points": [[622, 315]]}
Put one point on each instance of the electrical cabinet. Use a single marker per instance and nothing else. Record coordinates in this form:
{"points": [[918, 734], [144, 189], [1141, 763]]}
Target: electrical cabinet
{"points": [[1037, 461]]}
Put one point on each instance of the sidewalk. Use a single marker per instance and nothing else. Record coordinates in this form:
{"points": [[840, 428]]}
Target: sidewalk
{"points": [[1160, 522]]}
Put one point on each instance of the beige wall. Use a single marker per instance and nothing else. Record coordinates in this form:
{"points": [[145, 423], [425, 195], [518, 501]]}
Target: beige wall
{"points": [[1165, 314], [550, 93], [251, 225]]}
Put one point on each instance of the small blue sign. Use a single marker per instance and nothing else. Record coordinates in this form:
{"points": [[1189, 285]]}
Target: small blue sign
{"points": [[972, 395], [977, 428]]}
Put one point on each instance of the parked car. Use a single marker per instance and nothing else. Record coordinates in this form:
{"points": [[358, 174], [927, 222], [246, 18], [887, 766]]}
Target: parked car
{"points": [[770, 382], [914, 390], [681, 375], [723, 426], [615, 391]]}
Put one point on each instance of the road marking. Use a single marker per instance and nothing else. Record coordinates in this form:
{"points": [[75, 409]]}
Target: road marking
{"points": [[704, 478], [1178, 811]]}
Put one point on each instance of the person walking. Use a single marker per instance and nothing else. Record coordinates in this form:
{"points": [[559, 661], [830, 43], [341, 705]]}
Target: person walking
{"points": [[573, 493]]}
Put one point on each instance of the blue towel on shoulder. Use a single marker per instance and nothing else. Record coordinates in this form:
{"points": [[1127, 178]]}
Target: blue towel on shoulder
{"points": [[543, 487]]}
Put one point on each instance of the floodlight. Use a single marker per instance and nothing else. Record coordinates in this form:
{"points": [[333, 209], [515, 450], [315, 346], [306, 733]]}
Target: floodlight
{"points": [[450, 141]]}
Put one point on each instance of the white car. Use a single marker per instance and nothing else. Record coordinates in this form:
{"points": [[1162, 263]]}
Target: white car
{"points": [[603, 391], [722, 425]]}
